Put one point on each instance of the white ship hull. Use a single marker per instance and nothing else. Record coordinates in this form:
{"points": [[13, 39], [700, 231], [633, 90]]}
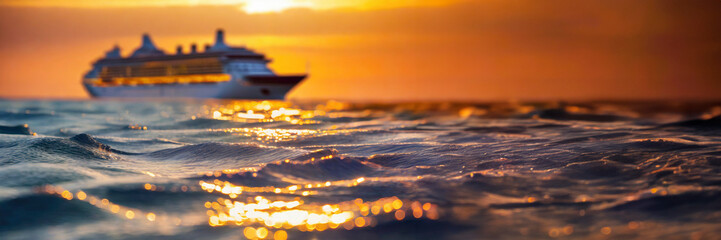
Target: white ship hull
{"points": [[227, 90]]}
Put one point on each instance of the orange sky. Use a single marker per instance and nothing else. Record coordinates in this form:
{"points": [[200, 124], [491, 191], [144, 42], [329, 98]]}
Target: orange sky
{"points": [[410, 50]]}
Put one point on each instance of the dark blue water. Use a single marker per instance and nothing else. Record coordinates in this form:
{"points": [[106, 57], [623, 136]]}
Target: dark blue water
{"points": [[331, 170]]}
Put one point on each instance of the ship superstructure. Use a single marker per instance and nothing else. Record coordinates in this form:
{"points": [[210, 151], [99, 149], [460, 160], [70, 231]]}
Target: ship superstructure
{"points": [[219, 71]]}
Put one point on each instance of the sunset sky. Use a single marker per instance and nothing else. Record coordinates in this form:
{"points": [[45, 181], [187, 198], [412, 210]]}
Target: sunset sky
{"points": [[390, 50]]}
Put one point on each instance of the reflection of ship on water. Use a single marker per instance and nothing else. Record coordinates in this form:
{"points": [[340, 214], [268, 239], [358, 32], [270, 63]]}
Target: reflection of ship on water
{"points": [[221, 71]]}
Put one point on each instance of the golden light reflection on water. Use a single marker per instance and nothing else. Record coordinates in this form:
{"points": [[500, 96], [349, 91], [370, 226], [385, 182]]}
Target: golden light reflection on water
{"points": [[265, 218], [107, 205], [272, 212], [293, 212], [234, 191], [280, 135], [263, 111], [297, 214], [279, 111]]}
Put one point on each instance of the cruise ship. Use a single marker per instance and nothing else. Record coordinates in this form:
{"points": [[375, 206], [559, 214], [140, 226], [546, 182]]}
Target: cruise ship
{"points": [[219, 71]]}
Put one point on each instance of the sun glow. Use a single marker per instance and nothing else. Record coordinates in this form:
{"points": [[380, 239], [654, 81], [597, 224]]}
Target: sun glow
{"points": [[265, 6], [249, 6]]}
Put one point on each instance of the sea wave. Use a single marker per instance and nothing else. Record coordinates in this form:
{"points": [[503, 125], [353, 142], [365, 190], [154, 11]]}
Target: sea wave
{"points": [[194, 169]]}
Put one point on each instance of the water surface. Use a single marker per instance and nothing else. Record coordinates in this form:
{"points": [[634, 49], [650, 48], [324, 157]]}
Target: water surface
{"points": [[333, 170]]}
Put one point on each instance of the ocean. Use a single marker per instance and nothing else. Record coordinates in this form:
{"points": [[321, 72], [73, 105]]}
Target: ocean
{"points": [[211, 169]]}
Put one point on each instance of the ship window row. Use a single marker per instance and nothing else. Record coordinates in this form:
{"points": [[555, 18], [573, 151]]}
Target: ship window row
{"points": [[151, 71], [179, 79], [247, 66]]}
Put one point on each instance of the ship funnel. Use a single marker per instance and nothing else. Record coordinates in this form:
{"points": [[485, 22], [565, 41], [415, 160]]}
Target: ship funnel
{"points": [[219, 37], [219, 42], [179, 50], [193, 48], [113, 53], [147, 48], [147, 42]]}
